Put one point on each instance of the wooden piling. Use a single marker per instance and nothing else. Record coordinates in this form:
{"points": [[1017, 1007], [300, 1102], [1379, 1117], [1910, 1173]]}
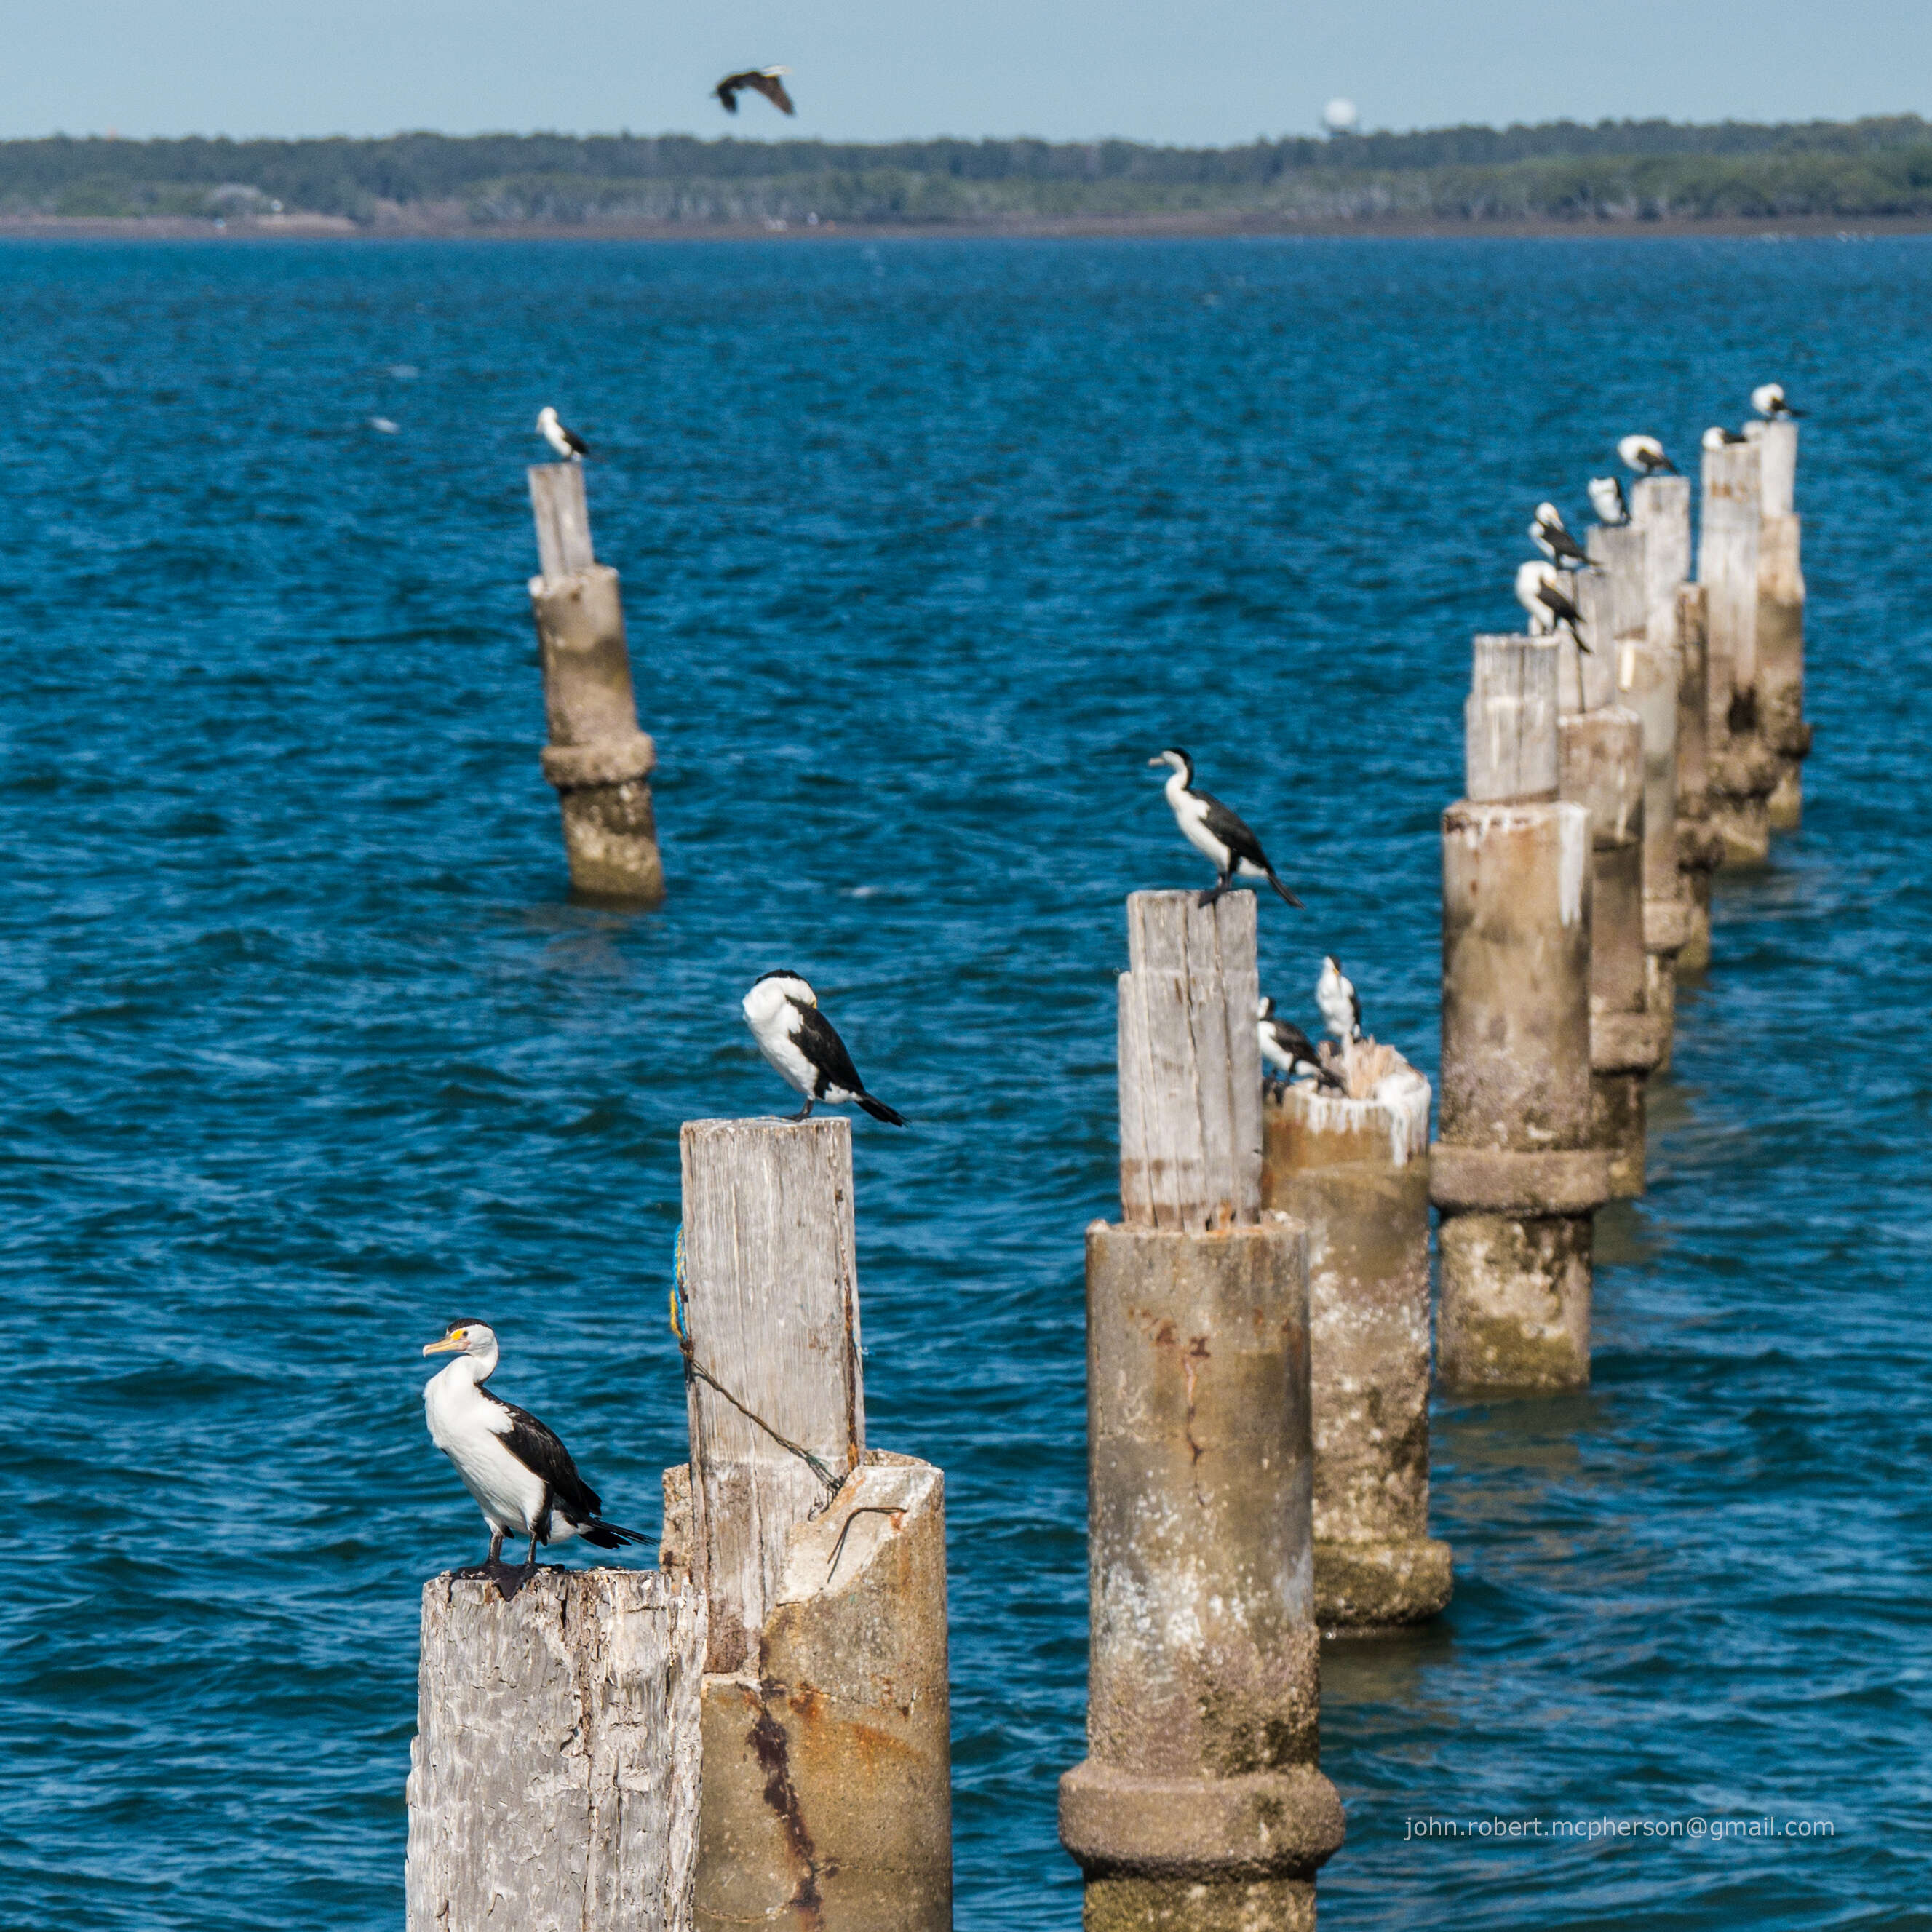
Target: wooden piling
{"points": [[597, 759], [827, 1790], [553, 1778], [1514, 1175], [1780, 624], [1200, 1803]]}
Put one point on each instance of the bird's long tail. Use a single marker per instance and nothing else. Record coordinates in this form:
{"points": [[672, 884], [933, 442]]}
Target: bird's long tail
{"points": [[608, 1535], [1284, 891], [880, 1111]]}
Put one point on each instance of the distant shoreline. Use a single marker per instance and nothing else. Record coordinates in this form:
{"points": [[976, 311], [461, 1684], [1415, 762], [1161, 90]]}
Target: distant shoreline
{"points": [[1204, 225]]}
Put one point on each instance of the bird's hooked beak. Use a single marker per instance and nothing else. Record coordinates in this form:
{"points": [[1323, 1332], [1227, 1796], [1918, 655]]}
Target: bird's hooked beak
{"points": [[451, 1344]]}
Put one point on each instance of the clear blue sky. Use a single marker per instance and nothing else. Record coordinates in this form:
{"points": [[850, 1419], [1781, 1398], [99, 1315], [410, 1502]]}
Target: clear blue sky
{"points": [[1210, 71]]}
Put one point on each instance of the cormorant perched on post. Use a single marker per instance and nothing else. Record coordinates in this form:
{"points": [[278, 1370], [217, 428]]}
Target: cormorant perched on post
{"points": [[1341, 1005], [1606, 498], [566, 442], [1284, 1045], [761, 80], [1645, 453], [1215, 832], [522, 1477], [782, 1012], [1767, 399], [1718, 437], [1539, 590], [1551, 535]]}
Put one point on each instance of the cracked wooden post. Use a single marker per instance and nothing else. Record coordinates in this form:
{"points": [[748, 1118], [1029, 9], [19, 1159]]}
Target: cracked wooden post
{"points": [[1700, 844], [1200, 1804], [1353, 1169], [1780, 623], [827, 1785], [1742, 769], [553, 1779], [1514, 1176], [597, 759]]}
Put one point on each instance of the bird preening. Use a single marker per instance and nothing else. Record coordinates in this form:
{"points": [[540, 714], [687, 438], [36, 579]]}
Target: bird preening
{"points": [[766, 80], [1767, 399], [1539, 589], [1550, 536], [1341, 1005], [1289, 1051], [782, 1012], [1607, 499], [1214, 831], [1645, 455], [1718, 437], [521, 1475], [566, 442]]}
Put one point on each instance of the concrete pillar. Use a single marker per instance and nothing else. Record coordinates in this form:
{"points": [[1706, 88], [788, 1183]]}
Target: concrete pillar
{"points": [[1780, 660], [1649, 678], [1700, 844], [1355, 1173], [597, 759], [1200, 1805], [827, 1782], [1742, 769], [1515, 1176], [553, 1778]]}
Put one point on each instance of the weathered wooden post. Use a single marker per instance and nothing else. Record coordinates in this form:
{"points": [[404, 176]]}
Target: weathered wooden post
{"points": [[1354, 1170], [553, 1778], [827, 1767], [1199, 1805], [1514, 1175], [598, 761], [1742, 771], [1600, 767], [1780, 623], [1700, 844]]}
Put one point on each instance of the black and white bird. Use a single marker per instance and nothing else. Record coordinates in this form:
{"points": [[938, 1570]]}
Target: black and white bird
{"points": [[1215, 832], [1341, 1005], [782, 1012], [1539, 589], [1645, 455], [522, 1477], [1607, 499], [765, 80], [1551, 536], [566, 442], [1284, 1046], [1718, 437], [1767, 399]]}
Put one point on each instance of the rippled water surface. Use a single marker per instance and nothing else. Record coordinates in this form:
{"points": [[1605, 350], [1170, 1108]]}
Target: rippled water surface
{"points": [[925, 546]]}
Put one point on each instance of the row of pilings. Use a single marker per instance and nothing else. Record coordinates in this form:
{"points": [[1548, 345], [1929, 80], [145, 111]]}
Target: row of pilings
{"points": [[757, 1731]]}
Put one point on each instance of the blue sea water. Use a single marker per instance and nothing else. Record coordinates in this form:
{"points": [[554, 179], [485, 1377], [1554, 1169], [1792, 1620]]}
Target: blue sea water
{"points": [[304, 1047]]}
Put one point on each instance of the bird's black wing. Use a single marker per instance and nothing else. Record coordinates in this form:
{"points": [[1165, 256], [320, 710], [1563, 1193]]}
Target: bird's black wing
{"points": [[726, 91], [576, 442], [820, 1045], [1232, 829], [1564, 544], [1355, 1001], [773, 89], [537, 1448], [1293, 1041]]}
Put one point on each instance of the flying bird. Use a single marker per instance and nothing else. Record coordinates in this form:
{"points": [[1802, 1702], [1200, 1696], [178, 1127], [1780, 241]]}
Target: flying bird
{"points": [[1767, 399], [1341, 1005], [1215, 832], [1539, 589], [1284, 1045], [763, 80], [1644, 453], [522, 1477], [1551, 536], [1606, 498], [782, 1012], [1717, 437], [566, 442]]}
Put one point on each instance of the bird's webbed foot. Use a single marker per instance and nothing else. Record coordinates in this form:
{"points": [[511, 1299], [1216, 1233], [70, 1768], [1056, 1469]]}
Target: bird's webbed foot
{"points": [[1214, 892]]}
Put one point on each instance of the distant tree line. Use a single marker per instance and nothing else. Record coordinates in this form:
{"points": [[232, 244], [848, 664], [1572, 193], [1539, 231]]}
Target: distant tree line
{"points": [[1622, 170]]}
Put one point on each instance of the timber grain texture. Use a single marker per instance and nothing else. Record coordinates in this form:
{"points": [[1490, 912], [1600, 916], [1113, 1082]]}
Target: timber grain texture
{"points": [[562, 517], [1510, 720], [772, 1300], [553, 1779]]}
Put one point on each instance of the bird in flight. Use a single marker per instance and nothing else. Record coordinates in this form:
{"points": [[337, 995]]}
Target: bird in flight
{"points": [[1539, 589], [1218, 834], [763, 80], [566, 442], [1606, 498], [1551, 536], [522, 1477], [1285, 1045], [1645, 453], [782, 1012]]}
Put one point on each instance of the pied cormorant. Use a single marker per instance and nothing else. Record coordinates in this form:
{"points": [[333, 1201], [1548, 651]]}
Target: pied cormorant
{"points": [[1341, 1005], [1767, 399], [522, 1477], [1718, 437], [1551, 535], [782, 1012], [1215, 832], [1285, 1045], [1539, 589], [1645, 453], [1606, 498], [566, 442]]}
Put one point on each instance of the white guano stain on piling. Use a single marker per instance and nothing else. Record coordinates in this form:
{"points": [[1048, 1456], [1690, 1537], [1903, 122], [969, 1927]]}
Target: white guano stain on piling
{"points": [[1574, 838]]}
